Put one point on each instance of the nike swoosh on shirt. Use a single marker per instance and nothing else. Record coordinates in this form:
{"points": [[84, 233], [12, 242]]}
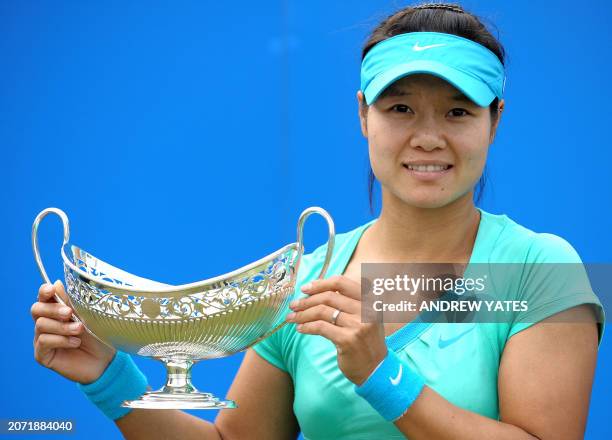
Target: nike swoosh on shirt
{"points": [[395, 380], [418, 48], [443, 343]]}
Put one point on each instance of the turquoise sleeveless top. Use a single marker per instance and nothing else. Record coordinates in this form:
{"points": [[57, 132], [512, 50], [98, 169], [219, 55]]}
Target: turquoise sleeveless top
{"points": [[463, 372]]}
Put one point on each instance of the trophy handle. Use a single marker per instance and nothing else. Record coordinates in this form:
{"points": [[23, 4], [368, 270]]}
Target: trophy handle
{"points": [[330, 238], [39, 262]]}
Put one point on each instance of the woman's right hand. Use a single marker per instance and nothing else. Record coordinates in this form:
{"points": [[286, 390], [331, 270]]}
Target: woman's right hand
{"points": [[62, 345]]}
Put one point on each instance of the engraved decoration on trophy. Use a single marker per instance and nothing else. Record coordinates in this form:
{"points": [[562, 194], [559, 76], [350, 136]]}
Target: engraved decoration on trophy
{"points": [[181, 325]]}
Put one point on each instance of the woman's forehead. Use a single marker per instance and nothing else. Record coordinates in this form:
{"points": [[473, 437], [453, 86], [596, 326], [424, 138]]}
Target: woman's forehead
{"points": [[423, 82]]}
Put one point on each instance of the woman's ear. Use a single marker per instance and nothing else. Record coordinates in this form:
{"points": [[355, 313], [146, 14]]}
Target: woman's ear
{"points": [[363, 113], [500, 110]]}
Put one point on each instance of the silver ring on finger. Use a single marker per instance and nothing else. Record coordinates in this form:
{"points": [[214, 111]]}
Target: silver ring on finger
{"points": [[334, 318]]}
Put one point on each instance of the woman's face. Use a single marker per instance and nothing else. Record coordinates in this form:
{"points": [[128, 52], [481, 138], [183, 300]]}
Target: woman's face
{"points": [[428, 143]]}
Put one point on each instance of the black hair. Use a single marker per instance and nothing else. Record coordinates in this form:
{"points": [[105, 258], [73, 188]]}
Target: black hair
{"points": [[449, 18]]}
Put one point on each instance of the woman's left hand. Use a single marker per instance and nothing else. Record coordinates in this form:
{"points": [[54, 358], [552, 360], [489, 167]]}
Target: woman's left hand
{"points": [[360, 346]]}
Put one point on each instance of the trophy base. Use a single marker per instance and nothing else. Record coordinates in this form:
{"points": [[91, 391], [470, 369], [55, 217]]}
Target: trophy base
{"points": [[179, 392], [193, 400]]}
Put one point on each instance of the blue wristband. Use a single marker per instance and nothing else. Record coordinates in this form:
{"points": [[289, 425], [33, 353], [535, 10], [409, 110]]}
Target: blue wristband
{"points": [[122, 380], [392, 387]]}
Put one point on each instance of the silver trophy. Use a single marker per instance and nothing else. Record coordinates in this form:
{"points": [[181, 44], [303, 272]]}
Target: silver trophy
{"points": [[180, 325]]}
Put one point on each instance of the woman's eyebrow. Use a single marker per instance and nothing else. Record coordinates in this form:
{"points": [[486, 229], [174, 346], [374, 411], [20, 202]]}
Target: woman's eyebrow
{"points": [[396, 91], [461, 98]]}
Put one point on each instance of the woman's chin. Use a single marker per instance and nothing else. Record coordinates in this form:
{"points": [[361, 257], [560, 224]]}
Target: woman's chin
{"points": [[428, 200]]}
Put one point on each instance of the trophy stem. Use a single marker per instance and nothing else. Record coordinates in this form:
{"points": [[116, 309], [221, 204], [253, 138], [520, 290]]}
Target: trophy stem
{"points": [[179, 377], [179, 392]]}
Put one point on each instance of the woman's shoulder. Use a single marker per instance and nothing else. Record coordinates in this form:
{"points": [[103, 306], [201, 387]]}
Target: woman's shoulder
{"points": [[543, 280], [515, 243]]}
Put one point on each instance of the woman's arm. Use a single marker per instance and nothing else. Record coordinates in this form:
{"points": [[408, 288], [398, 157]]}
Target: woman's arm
{"points": [[165, 424], [544, 386], [264, 395]]}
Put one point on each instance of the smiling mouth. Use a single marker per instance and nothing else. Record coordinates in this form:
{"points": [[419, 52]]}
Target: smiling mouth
{"points": [[427, 168]]}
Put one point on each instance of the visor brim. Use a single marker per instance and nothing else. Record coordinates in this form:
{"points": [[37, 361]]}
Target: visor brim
{"points": [[475, 89]]}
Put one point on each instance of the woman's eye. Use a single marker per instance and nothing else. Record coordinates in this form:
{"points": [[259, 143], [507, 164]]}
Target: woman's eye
{"points": [[459, 112], [401, 108]]}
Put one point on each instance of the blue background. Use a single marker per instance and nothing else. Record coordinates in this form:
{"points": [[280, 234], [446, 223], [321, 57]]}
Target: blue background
{"points": [[183, 139]]}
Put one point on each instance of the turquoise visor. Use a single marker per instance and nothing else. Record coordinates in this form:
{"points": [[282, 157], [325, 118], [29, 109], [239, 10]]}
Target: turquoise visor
{"points": [[467, 65]]}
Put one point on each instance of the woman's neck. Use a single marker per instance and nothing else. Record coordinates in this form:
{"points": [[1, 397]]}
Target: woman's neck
{"points": [[406, 233]]}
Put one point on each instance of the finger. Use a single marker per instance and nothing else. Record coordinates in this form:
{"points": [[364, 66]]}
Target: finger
{"points": [[47, 343], [59, 289], [51, 326], [325, 313], [50, 310], [45, 292], [339, 283], [340, 336], [329, 298]]}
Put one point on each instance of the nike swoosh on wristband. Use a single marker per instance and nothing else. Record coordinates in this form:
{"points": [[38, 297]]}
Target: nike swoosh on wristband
{"points": [[417, 48], [443, 343], [396, 379]]}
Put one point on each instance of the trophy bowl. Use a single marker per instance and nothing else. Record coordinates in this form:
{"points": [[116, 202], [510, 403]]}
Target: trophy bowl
{"points": [[181, 325]]}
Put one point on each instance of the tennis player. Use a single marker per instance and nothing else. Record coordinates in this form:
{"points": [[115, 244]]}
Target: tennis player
{"points": [[430, 104]]}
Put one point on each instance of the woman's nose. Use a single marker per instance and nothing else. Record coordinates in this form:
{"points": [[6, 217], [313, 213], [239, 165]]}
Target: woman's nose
{"points": [[427, 134], [427, 139]]}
